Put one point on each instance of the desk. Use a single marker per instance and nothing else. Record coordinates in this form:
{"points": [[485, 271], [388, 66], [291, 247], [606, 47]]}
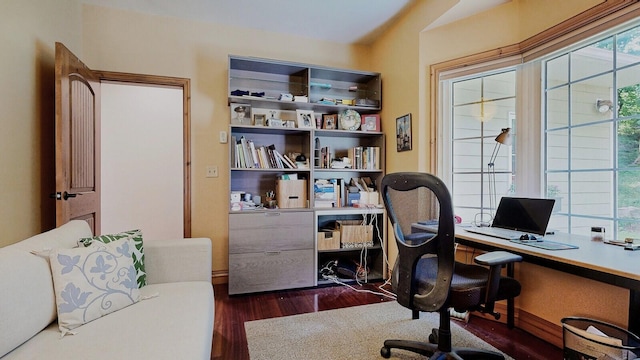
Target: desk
{"points": [[593, 260]]}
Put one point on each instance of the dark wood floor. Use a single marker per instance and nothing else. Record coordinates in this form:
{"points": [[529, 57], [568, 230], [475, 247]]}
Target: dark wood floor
{"points": [[230, 342]]}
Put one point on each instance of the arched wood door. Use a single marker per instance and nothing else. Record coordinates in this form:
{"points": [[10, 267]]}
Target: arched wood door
{"points": [[77, 140]]}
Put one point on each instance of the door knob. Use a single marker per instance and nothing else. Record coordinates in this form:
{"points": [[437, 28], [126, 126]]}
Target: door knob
{"points": [[61, 196]]}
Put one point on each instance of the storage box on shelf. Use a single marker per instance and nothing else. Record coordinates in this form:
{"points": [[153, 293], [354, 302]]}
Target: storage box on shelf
{"points": [[328, 239], [355, 234], [263, 152], [291, 193]]}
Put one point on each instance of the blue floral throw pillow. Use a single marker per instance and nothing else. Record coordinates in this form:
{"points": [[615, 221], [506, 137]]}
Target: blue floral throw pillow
{"points": [[91, 282], [138, 250]]}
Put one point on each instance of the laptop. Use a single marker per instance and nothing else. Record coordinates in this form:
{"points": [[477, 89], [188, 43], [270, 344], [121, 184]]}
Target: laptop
{"points": [[518, 216]]}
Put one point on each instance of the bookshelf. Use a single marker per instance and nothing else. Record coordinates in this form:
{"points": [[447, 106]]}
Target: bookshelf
{"points": [[273, 248]]}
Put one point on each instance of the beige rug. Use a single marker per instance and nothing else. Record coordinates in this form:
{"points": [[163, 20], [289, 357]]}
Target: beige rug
{"points": [[350, 333]]}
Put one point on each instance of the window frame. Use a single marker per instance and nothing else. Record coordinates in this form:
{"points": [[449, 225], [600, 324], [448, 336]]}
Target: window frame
{"points": [[527, 56]]}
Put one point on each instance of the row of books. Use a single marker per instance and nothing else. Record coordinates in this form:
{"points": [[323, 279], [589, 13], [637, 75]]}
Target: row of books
{"points": [[247, 155], [360, 157], [365, 157]]}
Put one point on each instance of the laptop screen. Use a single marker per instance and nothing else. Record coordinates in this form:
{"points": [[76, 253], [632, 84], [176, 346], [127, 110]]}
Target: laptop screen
{"points": [[524, 214]]}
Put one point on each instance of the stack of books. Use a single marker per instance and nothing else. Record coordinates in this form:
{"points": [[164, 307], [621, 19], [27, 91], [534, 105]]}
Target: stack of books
{"points": [[327, 193]]}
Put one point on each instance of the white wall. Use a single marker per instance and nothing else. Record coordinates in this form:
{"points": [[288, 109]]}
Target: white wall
{"points": [[142, 160]]}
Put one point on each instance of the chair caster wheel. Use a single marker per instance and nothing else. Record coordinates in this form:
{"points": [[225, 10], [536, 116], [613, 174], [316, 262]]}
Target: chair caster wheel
{"points": [[385, 352], [433, 337]]}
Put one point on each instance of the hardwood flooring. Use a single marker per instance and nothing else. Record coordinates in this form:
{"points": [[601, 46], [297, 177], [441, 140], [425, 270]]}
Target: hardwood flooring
{"points": [[229, 340]]}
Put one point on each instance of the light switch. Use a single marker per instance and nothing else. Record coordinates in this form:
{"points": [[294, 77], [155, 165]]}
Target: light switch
{"points": [[223, 137]]}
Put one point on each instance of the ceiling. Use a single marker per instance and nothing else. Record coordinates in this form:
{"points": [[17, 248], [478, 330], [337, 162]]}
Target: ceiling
{"points": [[342, 21]]}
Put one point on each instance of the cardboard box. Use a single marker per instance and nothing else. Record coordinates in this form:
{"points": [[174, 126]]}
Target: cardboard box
{"points": [[291, 193], [328, 239], [354, 234]]}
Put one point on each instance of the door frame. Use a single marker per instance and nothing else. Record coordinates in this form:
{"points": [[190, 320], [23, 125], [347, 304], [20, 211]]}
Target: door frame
{"points": [[185, 84]]}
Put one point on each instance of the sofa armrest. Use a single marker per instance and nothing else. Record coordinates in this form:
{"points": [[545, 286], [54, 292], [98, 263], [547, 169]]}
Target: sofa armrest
{"points": [[177, 260]]}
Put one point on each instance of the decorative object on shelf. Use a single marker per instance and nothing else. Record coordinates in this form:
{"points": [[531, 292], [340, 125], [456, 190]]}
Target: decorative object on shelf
{"points": [[289, 124], [367, 102], [371, 122], [403, 132], [329, 121], [306, 119], [241, 114], [349, 120], [259, 119], [318, 118], [275, 123]]}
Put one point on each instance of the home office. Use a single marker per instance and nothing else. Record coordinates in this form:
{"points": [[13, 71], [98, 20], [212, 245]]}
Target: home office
{"points": [[412, 56]]}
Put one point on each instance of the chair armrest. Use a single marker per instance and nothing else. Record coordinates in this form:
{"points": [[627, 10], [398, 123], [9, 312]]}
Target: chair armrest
{"points": [[497, 258], [177, 260]]}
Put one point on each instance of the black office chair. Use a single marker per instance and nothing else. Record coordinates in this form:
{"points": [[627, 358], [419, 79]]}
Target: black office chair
{"points": [[426, 276]]}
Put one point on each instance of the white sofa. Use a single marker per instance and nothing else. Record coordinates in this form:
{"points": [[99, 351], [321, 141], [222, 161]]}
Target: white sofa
{"points": [[176, 324]]}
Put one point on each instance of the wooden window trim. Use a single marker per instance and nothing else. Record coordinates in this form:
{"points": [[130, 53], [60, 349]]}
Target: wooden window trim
{"points": [[590, 22]]}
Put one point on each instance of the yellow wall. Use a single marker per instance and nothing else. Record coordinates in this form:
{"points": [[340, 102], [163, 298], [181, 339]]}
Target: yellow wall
{"points": [[28, 32]]}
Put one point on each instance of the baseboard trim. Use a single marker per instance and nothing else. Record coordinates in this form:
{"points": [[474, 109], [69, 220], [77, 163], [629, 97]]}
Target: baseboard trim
{"points": [[219, 277], [534, 325], [543, 329]]}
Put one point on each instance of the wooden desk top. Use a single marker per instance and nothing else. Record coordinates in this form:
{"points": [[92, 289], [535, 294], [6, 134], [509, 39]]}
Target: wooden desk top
{"points": [[591, 255]]}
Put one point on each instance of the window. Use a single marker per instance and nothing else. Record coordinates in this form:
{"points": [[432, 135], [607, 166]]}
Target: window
{"points": [[592, 133], [481, 169], [576, 108]]}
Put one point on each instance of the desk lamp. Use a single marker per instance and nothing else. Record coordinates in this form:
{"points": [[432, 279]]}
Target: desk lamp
{"points": [[502, 139]]}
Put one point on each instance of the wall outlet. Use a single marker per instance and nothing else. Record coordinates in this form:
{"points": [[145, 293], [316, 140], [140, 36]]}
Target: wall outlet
{"points": [[212, 171], [223, 137]]}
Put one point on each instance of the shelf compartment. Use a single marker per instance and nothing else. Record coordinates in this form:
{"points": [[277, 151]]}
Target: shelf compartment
{"points": [[271, 78]]}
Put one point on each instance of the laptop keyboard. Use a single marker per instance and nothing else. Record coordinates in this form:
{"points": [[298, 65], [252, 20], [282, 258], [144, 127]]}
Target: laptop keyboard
{"points": [[497, 232]]}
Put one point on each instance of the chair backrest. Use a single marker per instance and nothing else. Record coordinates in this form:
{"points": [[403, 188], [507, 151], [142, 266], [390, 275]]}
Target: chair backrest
{"points": [[409, 198]]}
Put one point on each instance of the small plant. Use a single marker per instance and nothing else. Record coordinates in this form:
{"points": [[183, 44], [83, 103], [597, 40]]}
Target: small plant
{"points": [[553, 191]]}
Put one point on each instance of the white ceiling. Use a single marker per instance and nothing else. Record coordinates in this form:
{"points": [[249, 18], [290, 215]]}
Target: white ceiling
{"points": [[343, 21]]}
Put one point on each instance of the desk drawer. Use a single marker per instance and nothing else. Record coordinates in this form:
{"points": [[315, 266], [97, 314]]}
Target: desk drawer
{"points": [[270, 231], [266, 271]]}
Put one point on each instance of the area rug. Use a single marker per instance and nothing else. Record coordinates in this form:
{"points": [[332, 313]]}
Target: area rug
{"points": [[350, 333]]}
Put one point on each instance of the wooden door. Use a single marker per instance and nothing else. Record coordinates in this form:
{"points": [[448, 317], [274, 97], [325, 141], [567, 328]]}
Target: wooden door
{"points": [[77, 141]]}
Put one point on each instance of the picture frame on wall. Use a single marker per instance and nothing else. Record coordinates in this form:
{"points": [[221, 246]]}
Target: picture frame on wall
{"points": [[403, 132], [240, 114], [306, 119], [371, 122], [329, 121]]}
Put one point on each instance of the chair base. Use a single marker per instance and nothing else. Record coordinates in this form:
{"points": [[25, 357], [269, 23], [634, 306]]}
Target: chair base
{"points": [[434, 353]]}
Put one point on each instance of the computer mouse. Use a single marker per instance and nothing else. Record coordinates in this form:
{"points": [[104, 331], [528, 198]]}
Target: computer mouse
{"points": [[527, 237]]}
